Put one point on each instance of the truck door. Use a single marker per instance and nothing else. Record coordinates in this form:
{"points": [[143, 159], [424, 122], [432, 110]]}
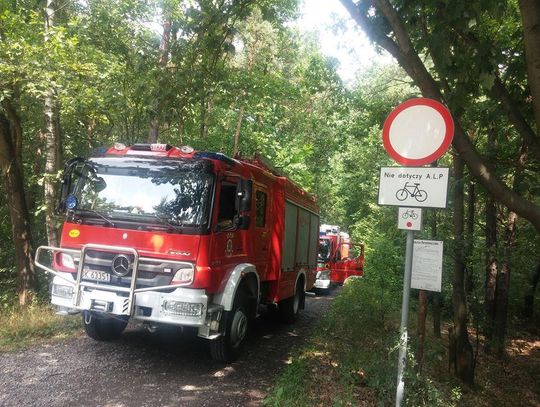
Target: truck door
{"points": [[230, 236], [261, 238]]}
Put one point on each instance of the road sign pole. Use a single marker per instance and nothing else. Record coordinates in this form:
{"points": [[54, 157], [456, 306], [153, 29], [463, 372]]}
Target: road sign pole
{"points": [[400, 389]]}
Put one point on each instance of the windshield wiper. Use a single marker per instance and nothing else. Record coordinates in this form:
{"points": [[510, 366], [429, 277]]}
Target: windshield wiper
{"points": [[106, 219], [165, 221]]}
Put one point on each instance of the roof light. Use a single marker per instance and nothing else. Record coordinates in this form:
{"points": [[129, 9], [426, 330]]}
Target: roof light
{"points": [[159, 147], [119, 146], [187, 149]]}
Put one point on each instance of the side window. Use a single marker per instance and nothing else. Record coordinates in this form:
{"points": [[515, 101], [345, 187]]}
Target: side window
{"points": [[227, 204], [260, 209]]}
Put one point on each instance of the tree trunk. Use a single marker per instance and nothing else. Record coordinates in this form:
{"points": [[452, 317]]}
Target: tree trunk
{"points": [[207, 105], [491, 270], [503, 278], [469, 238], [492, 266], [464, 358], [237, 131], [528, 302], [503, 287], [530, 14], [52, 144], [164, 45], [11, 167]]}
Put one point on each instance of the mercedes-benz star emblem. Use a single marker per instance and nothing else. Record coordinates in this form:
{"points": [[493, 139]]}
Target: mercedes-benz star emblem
{"points": [[120, 265]]}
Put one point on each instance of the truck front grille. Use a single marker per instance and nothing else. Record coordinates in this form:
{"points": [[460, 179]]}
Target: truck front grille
{"points": [[151, 272]]}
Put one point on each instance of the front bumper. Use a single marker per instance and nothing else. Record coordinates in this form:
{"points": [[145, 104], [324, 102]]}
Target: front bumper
{"points": [[322, 284], [182, 306], [165, 304]]}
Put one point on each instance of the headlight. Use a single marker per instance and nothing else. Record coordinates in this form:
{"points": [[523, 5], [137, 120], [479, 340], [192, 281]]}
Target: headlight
{"points": [[64, 291], [183, 276], [67, 261], [323, 275]]}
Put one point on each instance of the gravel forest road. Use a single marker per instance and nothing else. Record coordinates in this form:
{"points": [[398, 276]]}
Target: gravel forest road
{"points": [[143, 369]]}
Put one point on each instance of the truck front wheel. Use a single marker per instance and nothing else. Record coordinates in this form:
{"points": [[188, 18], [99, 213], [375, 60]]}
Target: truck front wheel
{"points": [[103, 328], [229, 345]]}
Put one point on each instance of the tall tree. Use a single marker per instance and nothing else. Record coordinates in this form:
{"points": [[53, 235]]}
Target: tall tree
{"points": [[164, 47], [13, 176], [53, 142], [464, 361]]}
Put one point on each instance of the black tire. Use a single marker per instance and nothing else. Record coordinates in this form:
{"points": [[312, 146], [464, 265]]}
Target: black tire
{"points": [[290, 307], [103, 328], [228, 347]]}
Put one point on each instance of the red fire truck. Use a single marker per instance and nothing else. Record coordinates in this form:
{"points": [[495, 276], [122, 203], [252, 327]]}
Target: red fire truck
{"points": [[170, 236], [336, 261]]}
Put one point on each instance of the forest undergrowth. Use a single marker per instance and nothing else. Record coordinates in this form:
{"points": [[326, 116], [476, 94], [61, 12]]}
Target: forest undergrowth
{"points": [[351, 360]]}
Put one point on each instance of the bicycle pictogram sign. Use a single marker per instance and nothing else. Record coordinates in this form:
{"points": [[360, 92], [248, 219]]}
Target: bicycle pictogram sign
{"points": [[411, 190], [415, 187], [409, 213]]}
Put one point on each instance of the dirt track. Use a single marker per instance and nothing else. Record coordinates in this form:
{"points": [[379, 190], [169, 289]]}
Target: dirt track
{"points": [[143, 369]]}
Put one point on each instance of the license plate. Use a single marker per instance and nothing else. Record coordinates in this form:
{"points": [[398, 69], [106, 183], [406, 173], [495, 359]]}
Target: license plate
{"points": [[96, 275]]}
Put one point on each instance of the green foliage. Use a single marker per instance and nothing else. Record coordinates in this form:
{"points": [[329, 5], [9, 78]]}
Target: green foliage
{"points": [[22, 326], [289, 389], [352, 357]]}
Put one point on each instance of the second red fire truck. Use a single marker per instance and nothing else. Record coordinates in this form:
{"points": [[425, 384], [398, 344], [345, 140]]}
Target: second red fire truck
{"points": [[171, 236], [338, 258]]}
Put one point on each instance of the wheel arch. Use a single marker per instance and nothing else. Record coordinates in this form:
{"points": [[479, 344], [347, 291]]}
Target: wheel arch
{"points": [[244, 274]]}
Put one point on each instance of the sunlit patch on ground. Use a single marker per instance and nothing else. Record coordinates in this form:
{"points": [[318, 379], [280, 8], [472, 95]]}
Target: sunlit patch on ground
{"points": [[224, 372]]}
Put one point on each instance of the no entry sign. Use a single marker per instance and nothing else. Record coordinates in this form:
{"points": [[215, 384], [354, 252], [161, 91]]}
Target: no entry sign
{"points": [[418, 131]]}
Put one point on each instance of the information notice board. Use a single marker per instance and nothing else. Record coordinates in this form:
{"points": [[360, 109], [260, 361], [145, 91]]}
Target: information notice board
{"points": [[427, 265]]}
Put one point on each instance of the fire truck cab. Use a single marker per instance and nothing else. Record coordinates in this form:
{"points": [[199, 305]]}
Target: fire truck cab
{"points": [[338, 258], [170, 236]]}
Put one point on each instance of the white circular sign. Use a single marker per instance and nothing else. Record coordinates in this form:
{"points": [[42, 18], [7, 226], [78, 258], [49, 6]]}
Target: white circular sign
{"points": [[418, 132]]}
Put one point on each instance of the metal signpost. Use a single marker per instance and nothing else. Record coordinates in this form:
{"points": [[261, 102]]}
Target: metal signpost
{"points": [[416, 133]]}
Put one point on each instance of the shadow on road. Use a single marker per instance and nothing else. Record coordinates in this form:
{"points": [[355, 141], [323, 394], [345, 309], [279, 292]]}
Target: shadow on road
{"points": [[166, 368]]}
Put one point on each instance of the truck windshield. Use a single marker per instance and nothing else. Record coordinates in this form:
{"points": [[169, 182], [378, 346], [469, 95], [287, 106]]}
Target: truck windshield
{"points": [[324, 250], [176, 191]]}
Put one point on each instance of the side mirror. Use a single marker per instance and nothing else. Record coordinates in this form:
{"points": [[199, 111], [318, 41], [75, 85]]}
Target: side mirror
{"points": [[245, 188]]}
